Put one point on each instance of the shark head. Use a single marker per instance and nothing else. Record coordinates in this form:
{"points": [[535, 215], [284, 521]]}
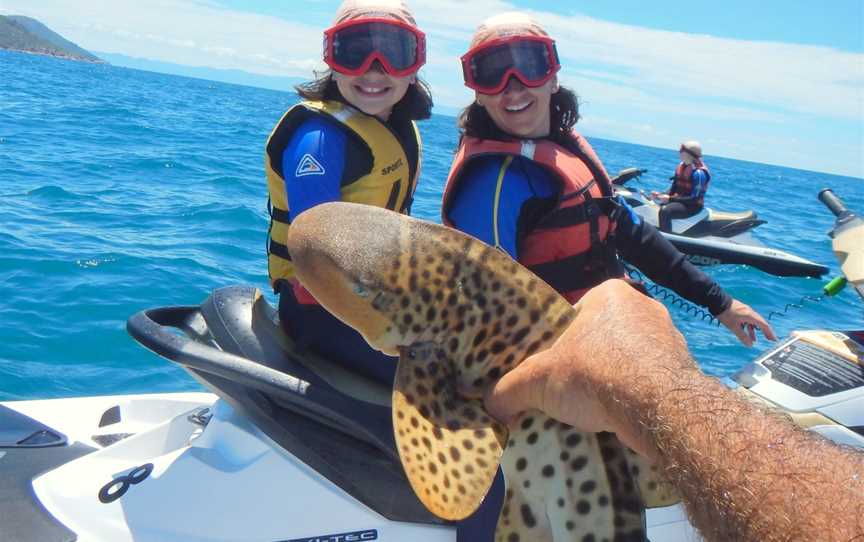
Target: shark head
{"points": [[338, 257]]}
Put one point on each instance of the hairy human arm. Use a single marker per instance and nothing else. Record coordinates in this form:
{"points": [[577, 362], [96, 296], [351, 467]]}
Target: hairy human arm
{"points": [[744, 473]]}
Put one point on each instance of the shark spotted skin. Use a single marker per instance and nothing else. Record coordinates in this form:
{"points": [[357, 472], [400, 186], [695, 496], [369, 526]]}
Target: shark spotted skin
{"points": [[460, 314]]}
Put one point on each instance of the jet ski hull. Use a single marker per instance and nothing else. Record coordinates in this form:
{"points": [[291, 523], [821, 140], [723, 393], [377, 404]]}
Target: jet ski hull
{"points": [[711, 251], [297, 457]]}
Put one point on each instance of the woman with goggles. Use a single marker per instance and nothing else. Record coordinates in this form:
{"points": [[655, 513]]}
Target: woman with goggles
{"points": [[351, 138], [526, 182]]}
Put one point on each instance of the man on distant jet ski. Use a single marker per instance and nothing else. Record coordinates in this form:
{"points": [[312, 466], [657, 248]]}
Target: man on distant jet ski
{"points": [[689, 184]]}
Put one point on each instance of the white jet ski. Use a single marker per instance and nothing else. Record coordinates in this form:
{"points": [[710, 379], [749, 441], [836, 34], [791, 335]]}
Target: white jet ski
{"points": [[712, 237], [290, 447]]}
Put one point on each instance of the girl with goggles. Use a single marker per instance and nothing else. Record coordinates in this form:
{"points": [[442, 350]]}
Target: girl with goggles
{"points": [[352, 137]]}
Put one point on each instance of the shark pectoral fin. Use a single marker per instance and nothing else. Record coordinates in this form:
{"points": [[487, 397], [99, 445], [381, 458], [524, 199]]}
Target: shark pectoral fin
{"points": [[449, 446], [656, 491]]}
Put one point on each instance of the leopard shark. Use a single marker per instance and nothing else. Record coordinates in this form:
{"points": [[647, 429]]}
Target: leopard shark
{"points": [[459, 314]]}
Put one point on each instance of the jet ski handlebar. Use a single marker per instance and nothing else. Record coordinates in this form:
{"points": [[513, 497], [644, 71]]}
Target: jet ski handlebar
{"points": [[159, 330], [626, 175], [834, 204]]}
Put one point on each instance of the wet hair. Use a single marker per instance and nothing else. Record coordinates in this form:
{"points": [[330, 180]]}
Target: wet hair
{"points": [[475, 121], [415, 105]]}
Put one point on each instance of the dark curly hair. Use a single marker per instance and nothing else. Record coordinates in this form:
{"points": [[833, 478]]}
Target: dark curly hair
{"points": [[475, 121], [415, 105]]}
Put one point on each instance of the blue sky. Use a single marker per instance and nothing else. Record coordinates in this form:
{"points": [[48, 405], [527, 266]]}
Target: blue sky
{"points": [[771, 81]]}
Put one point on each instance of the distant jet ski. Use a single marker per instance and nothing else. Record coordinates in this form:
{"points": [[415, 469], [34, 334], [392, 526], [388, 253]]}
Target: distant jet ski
{"points": [[713, 237]]}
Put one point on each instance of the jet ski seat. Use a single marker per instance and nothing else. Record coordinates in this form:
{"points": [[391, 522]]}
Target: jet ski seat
{"points": [[336, 422], [720, 216]]}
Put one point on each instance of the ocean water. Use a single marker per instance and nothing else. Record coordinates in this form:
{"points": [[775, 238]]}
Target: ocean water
{"points": [[122, 190]]}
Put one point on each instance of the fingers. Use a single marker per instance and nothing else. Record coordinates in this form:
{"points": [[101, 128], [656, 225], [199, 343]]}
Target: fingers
{"points": [[515, 392], [742, 320], [763, 325], [743, 335]]}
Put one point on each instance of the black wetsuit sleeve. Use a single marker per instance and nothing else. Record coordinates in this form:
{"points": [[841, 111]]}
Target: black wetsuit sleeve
{"points": [[642, 245]]}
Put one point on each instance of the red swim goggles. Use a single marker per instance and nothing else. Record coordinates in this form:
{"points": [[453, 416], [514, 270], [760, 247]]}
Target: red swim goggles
{"points": [[351, 47], [531, 59]]}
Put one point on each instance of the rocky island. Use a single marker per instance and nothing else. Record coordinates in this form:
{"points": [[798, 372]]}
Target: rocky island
{"points": [[19, 33]]}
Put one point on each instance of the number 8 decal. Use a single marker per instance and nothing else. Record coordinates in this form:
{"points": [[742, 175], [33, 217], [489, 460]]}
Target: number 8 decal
{"points": [[118, 487]]}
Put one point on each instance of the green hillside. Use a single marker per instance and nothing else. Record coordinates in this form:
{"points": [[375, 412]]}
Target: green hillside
{"points": [[20, 33]]}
